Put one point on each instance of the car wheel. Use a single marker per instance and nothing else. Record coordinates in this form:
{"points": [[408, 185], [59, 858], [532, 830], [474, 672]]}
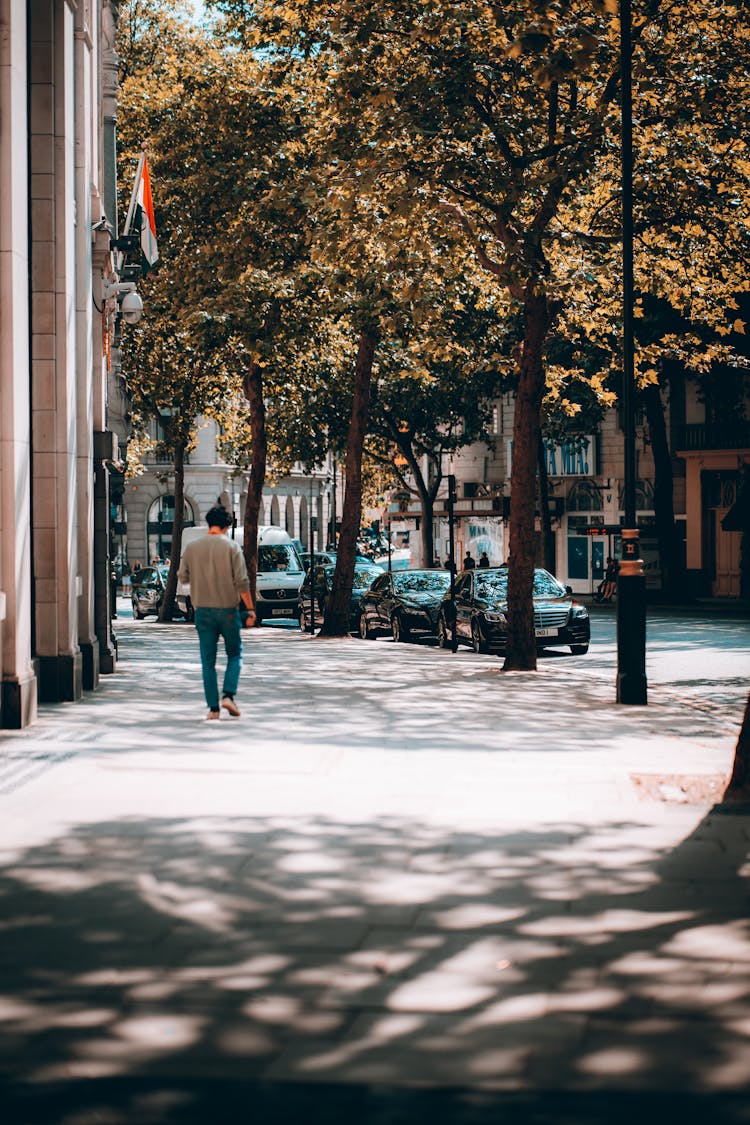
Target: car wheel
{"points": [[398, 631], [137, 612], [365, 631], [579, 650], [478, 642]]}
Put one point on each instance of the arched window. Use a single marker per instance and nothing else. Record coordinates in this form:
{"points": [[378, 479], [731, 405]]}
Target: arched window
{"points": [[644, 496], [584, 497], [275, 515], [160, 523], [289, 517], [304, 523]]}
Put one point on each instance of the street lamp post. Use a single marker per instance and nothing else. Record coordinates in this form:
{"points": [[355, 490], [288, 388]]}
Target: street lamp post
{"points": [[311, 571], [631, 580], [450, 504]]}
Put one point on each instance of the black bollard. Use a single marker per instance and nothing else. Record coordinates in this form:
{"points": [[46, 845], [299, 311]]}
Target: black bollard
{"points": [[631, 622]]}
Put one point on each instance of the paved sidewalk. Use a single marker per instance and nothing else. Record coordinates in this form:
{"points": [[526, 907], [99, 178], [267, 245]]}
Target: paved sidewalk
{"points": [[403, 887]]}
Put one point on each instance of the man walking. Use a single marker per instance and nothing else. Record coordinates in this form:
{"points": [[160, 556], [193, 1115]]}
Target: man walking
{"points": [[215, 568]]}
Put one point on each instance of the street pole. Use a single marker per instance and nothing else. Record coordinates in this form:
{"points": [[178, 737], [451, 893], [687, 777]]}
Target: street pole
{"points": [[631, 579], [450, 502], [333, 506], [312, 564]]}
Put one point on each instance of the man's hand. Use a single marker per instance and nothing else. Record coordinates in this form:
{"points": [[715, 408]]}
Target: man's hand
{"points": [[249, 618]]}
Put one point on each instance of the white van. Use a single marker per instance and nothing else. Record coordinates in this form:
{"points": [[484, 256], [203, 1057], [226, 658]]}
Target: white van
{"points": [[280, 573]]}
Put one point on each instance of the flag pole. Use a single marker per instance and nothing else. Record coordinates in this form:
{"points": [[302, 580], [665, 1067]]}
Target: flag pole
{"points": [[131, 208]]}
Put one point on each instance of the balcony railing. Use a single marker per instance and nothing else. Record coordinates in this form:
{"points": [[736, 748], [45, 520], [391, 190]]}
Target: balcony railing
{"points": [[733, 435]]}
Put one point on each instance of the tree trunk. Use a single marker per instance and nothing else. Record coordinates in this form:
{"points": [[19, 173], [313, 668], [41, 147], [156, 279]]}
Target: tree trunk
{"points": [[252, 386], [166, 609], [739, 783], [521, 645], [336, 618], [548, 538], [673, 576]]}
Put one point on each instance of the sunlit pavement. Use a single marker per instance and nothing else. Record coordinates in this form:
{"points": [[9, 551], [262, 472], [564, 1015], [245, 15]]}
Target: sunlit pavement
{"points": [[403, 886]]}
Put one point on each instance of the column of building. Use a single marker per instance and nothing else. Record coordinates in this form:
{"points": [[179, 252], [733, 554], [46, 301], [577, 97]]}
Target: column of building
{"points": [[18, 695], [58, 582]]}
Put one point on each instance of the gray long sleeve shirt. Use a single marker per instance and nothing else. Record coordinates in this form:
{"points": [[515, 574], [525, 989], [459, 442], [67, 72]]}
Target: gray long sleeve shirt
{"points": [[215, 568]]}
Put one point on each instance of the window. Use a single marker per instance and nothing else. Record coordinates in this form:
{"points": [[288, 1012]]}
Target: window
{"points": [[278, 557], [160, 523], [431, 581], [584, 497], [644, 496]]}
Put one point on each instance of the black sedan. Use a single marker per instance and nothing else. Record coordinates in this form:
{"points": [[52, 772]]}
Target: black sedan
{"points": [[147, 591], [364, 575], [403, 603], [481, 606]]}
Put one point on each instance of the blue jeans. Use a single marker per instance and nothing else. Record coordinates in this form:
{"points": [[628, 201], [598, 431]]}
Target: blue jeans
{"points": [[212, 624]]}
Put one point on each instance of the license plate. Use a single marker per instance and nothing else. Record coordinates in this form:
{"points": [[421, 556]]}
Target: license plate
{"points": [[546, 632], [280, 612]]}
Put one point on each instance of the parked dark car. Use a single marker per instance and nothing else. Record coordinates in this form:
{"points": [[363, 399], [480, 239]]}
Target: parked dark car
{"points": [[322, 558], [403, 603], [364, 575], [328, 558], [482, 604], [147, 590]]}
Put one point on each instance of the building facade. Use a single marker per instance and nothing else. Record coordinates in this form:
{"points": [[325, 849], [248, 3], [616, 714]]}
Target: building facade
{"points": [[302, 502], [57, 97], [586, 485]]}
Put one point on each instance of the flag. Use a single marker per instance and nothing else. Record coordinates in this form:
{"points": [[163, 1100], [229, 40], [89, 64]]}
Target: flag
{"points": [[145, 222]]}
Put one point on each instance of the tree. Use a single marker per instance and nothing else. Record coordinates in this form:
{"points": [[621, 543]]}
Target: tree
{"points": [[465, 109], [437, 386], [738, 788], [171, 380]]}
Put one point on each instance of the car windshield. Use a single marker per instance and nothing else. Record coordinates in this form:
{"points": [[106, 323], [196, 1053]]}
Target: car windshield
{"points": [[278, 557], [363, 576], [545, 586], [421, 581], [494, 584], [149, 576], [491, 583], [363, 579]]}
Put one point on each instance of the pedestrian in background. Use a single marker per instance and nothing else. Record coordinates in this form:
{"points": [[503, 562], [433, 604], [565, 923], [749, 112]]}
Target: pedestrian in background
{"points": [[469, 561], [214, 566], [610, 581], [484, 560]]}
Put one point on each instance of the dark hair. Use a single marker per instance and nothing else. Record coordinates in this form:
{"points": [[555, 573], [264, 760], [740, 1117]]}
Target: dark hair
{"points": [[218, 517]]}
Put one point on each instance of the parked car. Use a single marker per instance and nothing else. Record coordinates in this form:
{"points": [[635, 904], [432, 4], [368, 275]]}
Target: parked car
{"points": [[403, 603], [481, 604], [322, 558], [278, 579], [364, 575], [147, 590], [328, 558]]}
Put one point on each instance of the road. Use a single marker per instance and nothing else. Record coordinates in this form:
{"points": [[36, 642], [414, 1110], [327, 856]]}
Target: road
{"points": [[404, 886]]}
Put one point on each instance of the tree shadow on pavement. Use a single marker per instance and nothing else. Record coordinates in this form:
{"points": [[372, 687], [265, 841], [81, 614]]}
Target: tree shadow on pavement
{"points": [[213, 969]]}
